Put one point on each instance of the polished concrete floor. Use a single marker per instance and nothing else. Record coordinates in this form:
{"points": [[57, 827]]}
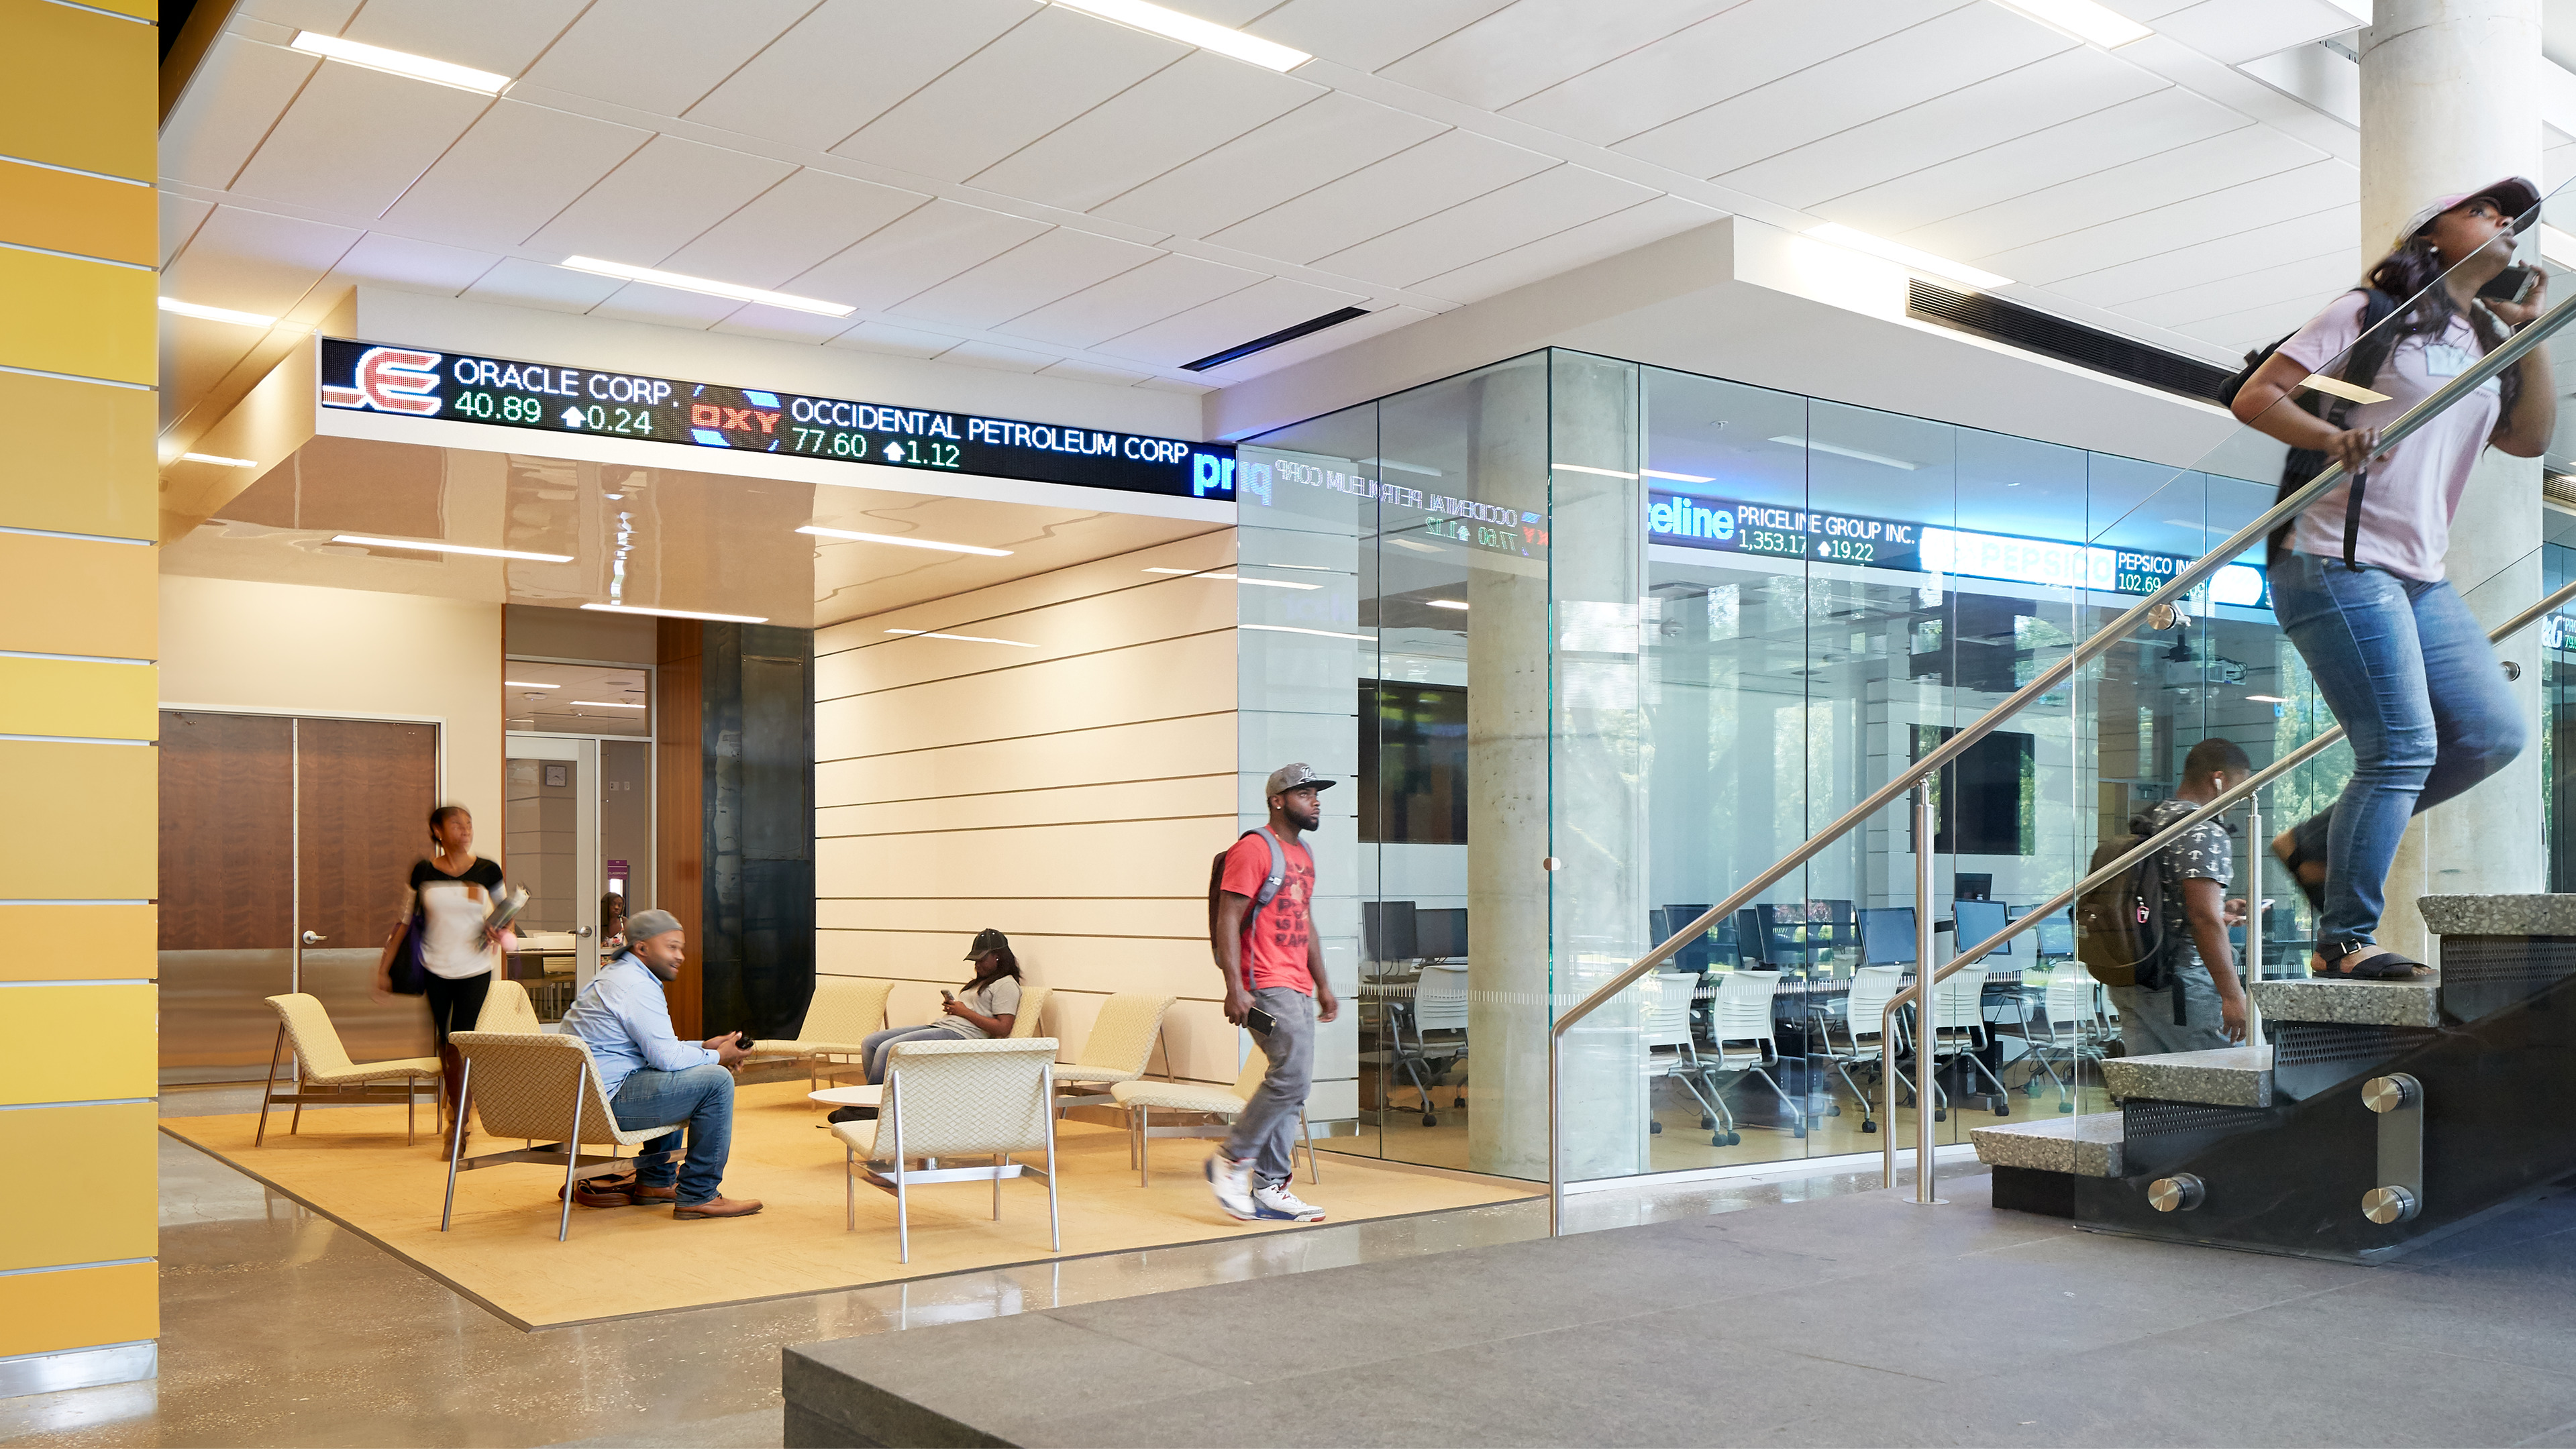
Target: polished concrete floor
{"points": [[279, 1328]]}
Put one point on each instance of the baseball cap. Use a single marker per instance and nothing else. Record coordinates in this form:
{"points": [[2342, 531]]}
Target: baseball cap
{"points": [[645, 925], [986, 940], [1291, 777], [2517, 197]]}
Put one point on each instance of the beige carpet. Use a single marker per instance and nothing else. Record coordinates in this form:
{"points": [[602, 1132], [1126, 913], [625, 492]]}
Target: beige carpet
{"points": [[351, 1164]]}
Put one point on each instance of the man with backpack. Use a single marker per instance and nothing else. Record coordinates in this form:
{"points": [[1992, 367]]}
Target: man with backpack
{"points": [[1261, 924], [2183, 995]]}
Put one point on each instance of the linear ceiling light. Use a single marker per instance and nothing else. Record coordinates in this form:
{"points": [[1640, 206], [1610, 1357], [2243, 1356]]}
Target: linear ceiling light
{"points": [[217, 314], [1598, 472], [678, 614], [1236, 579], [1881, 459], [1677, 477], [901, 542], [399, 62], [962, 638], [1266, 341], [1836, 234], [604, 704], [1318, 633], [2086, 20], [219, 460], [1191, 30], [527, 684], [681, 281], [1459, 604], [2265, 699], [432, 545]]}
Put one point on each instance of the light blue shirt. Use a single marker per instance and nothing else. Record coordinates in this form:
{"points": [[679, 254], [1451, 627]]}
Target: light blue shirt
{"points": [[626, 1019]]}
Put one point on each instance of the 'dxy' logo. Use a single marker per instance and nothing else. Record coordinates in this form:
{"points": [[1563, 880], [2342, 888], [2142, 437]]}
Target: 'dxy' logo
{"points": [[739, 420], [393, 380]]}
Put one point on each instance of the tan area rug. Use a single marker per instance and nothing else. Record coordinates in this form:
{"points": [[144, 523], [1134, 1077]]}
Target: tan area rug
{"points": [[351, 1164]]}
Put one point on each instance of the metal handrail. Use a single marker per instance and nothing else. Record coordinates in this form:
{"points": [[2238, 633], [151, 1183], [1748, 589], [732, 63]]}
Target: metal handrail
{"points": [[2184, 580]]}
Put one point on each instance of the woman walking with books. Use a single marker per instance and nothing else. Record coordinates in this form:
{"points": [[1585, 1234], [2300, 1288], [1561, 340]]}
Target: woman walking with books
{"points": [[449, 941]]}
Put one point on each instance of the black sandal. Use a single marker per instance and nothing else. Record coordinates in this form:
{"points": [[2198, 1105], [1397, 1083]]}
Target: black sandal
{"points": [[2315, 890], [2387, 966]]}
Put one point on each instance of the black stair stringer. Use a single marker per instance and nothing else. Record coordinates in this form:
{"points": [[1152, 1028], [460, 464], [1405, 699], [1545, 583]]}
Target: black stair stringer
{"points": [[2289, 1178]]}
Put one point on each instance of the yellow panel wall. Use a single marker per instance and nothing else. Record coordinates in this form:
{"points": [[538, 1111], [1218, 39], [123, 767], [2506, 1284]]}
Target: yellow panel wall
{"points": [[79, 89], [101, 1155], [84, 318], [64, 212], [90, 468], [91, 1041], [43, 1312], [83, 698], [100, 805], [121, 937], [70, 596]]}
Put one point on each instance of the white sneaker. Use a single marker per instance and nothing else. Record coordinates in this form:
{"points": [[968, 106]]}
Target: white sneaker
{"points": [[1274, 1200], [1233, 1183]]}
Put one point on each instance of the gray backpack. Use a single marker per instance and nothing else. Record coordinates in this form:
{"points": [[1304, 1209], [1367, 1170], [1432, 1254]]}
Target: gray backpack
{"points": [[1269, 885]]}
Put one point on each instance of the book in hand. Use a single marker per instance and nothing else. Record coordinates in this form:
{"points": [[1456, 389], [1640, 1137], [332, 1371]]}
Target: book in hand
{"points": [[506, 908]]}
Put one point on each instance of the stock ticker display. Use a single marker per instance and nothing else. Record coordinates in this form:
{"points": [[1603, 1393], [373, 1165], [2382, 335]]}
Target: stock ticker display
{"points": [[499, 392]]}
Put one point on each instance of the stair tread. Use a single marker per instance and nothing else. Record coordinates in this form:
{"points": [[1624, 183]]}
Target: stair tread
{"points": [[2085, 1146], [2503, 915], [2356, 1003], [2236, 1076]]}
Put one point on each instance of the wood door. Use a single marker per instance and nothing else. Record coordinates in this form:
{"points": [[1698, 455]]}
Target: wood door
{"points": [[227, 891], [364, 789]]}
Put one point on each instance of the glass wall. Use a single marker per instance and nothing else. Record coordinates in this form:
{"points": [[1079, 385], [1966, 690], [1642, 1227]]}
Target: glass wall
{"points": [[1595, 642]]}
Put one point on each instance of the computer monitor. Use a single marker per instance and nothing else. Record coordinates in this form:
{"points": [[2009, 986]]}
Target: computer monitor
{"points": [[1966, 886], [1389, 928], [2057, 935], [1887, 936], [1979, 920], [1695, 956], [1441, 935], [1750, 943]]}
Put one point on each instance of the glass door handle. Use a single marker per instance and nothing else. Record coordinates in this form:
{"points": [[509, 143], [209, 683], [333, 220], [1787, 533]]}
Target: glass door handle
{"points": [[314, 938], [581, 931]]}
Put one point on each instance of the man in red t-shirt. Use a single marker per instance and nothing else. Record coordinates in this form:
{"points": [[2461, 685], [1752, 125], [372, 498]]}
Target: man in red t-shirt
{"points": [[1276, 988]]}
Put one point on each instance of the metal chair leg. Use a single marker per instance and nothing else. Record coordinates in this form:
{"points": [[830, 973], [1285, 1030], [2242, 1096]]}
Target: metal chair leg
{"points": [[1055, 1226], [1144, 1120], [572, 1149], [1314, 1167], [998, 1159], [268, 1084], [850, 1188], [456, 1144]]}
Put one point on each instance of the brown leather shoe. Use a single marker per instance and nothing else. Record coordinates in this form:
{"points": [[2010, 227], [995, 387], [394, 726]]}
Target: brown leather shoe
{"points": [[598, 1197], [716, 1207], [655, 1194]]}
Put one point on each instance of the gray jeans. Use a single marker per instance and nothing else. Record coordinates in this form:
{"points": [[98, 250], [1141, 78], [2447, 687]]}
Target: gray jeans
{"points": [[2147, 1025], [1266, 1132]]}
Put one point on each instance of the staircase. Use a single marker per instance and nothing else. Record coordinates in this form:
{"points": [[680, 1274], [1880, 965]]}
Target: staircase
{"points": [[2383, 1114]]}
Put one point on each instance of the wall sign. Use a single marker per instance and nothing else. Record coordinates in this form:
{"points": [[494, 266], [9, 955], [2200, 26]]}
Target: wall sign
{"points": [[460, 388]]}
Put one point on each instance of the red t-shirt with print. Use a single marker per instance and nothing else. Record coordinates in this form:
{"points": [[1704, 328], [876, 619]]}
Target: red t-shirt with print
{"points": [[1276, 935]]}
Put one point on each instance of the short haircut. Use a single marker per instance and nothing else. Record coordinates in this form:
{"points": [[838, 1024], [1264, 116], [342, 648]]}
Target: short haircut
{"points": [[2213, 755]]}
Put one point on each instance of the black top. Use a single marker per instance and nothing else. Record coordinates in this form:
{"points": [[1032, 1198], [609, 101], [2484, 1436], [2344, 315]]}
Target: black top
{"points": [[482, 872]]}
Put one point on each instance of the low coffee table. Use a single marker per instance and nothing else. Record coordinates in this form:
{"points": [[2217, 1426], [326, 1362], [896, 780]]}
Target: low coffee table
{"points": [[866, 1096]]}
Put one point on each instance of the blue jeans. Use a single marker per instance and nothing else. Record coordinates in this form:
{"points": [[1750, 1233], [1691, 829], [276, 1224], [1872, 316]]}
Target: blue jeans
{"points": [[703, 1097], [2408, 672], [873, 1048]]}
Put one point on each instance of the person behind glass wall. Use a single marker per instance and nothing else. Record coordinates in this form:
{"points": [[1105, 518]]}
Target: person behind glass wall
{"points": [[452, 892], [988, 1007], [2197, 958], [612, 924], [2397, 656]]}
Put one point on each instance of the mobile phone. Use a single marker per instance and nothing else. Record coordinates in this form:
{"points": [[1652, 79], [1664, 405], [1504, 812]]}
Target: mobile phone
{"points": [[947, 995], [1261, 1021], [2510, 285]]}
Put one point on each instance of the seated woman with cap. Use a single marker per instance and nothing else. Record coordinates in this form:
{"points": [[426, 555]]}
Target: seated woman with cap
{"points": [[986, 1008]]}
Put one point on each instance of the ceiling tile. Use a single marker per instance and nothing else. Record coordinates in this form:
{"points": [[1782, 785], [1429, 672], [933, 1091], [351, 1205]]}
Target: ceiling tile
{"points": [[535, 284], [1722, 56], [520, 166], [913, 253], [782, 326], [2240, 332], [1043, 73], [661, 55], [502, 36], [1186, 110], [2116, 191], [1174, 384], [1041, 270], [253, 261], [418, 266], [2303, 279], [790, 228], [1525, 48], [898, 341], [1256, 311], [1296, 153], [238, 92], [1129, 300], [180, 218], [663, 306], [1084, 371], [356, 138], [657, 199], [1439, 173], [1000, 359], [2066, 85], [1577, 246], [2236, 31], [2224, 212], [2335, 229], [326, 16], [1495, 222], [806, 89], [1368, 34]]}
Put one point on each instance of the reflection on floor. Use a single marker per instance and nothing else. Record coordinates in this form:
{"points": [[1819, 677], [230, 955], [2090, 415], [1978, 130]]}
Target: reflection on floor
{"points": [[280, 1328]]}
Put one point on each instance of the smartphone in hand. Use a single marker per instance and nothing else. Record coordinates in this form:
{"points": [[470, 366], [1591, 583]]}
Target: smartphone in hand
{"points": [[1261, 1021], [2510, 285]]}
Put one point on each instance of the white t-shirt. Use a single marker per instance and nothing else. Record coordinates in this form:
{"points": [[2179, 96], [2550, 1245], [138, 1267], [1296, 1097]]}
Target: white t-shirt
{"points": [[453, 909], [997, 997], [2406, 508]]}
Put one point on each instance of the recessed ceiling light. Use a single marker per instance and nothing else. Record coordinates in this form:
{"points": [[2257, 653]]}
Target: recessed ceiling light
{"points": [[2266, 699], [528, 684], [900, 541], [2086, 20], [678, 614], [218, 460], [1236, 579], [1678, 477], [399, 62], [1597, 472], [605, 704], [1884, 461], [217, 314], [962, 638], [1839, 235], [432, 545], [1318, 633], [1459, 604], [1415, 544], [1191, 30], [682, 282]]}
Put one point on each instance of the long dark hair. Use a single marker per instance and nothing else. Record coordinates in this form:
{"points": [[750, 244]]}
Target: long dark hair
{"points": [[1006, 965], [2408, 275]]}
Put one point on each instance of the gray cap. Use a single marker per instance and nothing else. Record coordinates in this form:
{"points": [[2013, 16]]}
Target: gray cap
{"points": [[1291, 777], [645, 925]]}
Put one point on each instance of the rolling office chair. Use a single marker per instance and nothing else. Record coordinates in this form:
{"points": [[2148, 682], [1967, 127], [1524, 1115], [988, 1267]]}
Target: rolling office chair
{"points": [[1667, 1020], [1742, 1014], [1863, 1046]]}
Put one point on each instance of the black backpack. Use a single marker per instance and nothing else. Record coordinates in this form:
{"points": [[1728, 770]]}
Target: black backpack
{"points": [[2361, 365], [2120, 927]]}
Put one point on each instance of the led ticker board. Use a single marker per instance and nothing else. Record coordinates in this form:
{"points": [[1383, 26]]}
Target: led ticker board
{"points": [[461, 388], [1721, 524]]}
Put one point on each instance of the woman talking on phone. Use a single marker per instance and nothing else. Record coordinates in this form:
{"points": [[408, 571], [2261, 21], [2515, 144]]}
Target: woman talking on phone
{"points": [[985, 1008], [2401, 661]]}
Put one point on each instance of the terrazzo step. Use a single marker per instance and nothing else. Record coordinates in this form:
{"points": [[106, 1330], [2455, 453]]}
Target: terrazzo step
{"points": [[2416, 1003], [2081, 1146], [2237, 1076], [2524, 915]]}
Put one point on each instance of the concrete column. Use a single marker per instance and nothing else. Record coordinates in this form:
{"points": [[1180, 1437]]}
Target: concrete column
{"points": [[2450, 99]]}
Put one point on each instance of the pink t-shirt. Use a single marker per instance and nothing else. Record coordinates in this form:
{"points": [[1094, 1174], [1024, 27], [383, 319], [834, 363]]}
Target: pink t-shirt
{"points": [[2406, 510]]}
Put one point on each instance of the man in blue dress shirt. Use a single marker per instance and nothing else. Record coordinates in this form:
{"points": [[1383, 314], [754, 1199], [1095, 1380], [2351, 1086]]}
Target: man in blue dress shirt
{"points": [[653, 1077]]}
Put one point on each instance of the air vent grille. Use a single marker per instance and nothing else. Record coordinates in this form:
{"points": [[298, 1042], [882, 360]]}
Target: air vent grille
{"points": [[2032, 331]]}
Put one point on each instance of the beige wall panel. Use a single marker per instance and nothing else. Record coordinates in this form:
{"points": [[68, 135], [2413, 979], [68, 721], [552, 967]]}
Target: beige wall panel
{"points": [[87, 822], [1161, 680], [1162, 856], [1137, 613], [68, 596], [114, 942], [1167, 967], [1196, 745], [1211, 550], [1179, 918], [78, 698], [1206, 795], [90, 469]]}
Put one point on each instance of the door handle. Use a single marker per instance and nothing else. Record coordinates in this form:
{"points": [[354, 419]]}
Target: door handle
{"points": [[314, 938], [582, 931]]}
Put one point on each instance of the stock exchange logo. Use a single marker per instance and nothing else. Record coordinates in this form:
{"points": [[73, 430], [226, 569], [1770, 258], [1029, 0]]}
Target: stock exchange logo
{"points": [[392, 380]]}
